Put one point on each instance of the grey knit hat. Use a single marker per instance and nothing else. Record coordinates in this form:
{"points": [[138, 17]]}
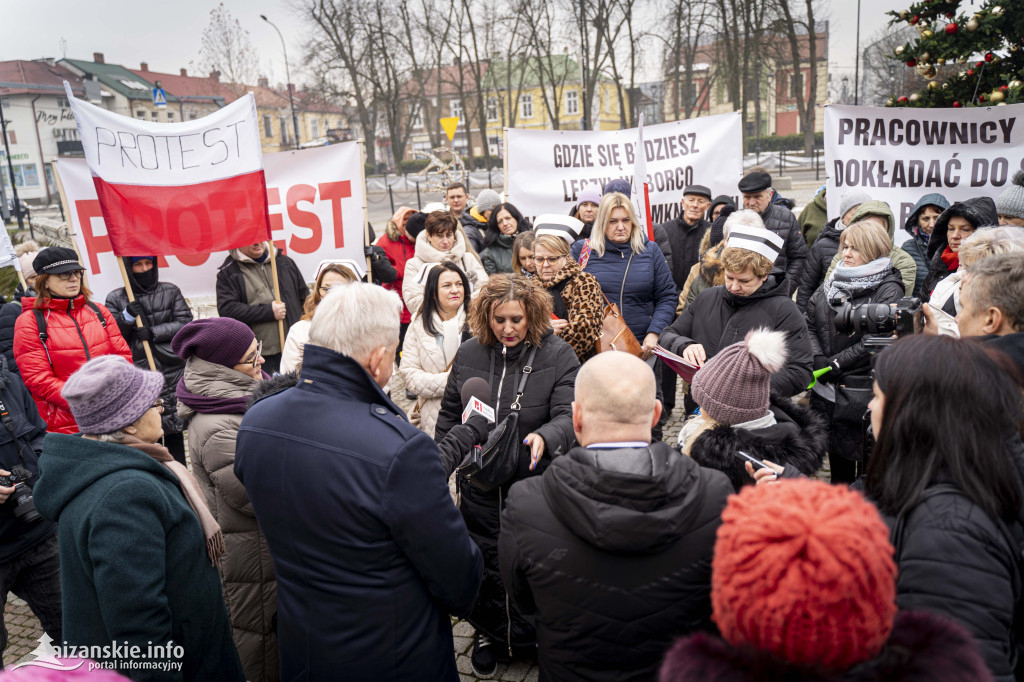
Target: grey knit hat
{"points": [[109, 393], [851, 199], [1011, 201], [734, 386], [487, 200]]}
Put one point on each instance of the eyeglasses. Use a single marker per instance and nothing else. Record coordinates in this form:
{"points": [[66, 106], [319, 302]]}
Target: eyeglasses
{"points": [[547, 261], [255, 362], [68, 276], [159, 405]]}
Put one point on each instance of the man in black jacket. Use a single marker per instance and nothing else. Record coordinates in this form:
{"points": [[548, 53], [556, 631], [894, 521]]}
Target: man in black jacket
{"points": [[245, 292], [611, 548], [29, 561], [757, 193]]}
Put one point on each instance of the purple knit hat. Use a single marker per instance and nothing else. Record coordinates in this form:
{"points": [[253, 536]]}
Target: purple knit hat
{"points": [[735, 386], [109, 393], [591, 194], [220, 340]]}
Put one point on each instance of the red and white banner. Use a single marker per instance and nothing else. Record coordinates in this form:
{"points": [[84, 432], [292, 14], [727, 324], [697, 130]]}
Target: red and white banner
{"points": [[177, 188], [315, 200]]}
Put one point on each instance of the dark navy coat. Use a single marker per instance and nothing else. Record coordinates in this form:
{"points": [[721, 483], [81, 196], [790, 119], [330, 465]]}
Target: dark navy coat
{"points": [[371, 554]]}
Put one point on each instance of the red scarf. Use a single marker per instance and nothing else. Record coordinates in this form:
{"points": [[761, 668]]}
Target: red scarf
{"points": [[952, 260]]}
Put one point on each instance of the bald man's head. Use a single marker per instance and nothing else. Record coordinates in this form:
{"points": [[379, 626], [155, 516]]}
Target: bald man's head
{"points": [[616, 388]]}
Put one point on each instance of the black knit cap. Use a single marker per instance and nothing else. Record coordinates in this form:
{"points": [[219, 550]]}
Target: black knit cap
{"points": [[755, 182], [54, 260], [416, 223]]}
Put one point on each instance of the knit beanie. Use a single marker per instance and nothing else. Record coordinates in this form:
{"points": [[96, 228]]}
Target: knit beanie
{"points": [[851, 199], [619, 185], [591, 194], [804, 570], [25, 261], [109, 393], [416, 223], [735, 385], [718, 227], [487, 200], [220, 340], [1011, 201]]}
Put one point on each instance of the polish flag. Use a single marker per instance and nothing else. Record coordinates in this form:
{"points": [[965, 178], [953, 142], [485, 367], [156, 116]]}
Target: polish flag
{"points": [[177, 188], [641, 197]]}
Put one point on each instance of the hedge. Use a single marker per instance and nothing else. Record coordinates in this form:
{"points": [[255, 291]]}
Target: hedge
{"points": [[782, 143]]}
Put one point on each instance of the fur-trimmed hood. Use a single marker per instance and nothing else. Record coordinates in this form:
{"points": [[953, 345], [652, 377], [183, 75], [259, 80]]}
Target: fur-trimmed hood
{"points": [[798, 439], [921, 647]]}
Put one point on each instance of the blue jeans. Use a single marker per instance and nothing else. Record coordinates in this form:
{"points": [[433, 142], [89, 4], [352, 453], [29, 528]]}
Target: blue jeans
{"points": [[35, 577]]}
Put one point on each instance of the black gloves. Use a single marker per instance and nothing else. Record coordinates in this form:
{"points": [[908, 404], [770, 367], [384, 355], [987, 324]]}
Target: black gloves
{"points": [[134, 308], [144, 334], [480, 427]]}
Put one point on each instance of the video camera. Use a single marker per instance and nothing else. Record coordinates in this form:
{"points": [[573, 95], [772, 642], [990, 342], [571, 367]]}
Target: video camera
{"points": [[881, 323]]}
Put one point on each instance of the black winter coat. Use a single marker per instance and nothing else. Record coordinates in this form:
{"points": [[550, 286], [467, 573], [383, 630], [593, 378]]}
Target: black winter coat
{"points": [[233, 302], [615, 565], [954, 560], [822, 251], [547, 411], [979, 212], [370, 554], [921, 647], [793, 258], [165, 311], [684, 240], [717, 319], [9, 313], [798, 440], [916, 244]]}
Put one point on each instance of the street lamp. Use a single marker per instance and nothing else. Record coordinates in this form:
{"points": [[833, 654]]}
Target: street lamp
{"points": [[288, 75]]}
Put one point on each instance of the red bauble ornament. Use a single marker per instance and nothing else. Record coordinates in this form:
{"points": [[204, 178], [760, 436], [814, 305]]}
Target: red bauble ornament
{"points": [[981, 97], [957, 105], [950, 15], [951, 28], [914, 19], [912, 62], [989, 56], [902, 100], [1003, 88], [970, 72]]}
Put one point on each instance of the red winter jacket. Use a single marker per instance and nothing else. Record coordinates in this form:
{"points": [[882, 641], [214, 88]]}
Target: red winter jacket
{"points": [[398, 251], [74, 335]]}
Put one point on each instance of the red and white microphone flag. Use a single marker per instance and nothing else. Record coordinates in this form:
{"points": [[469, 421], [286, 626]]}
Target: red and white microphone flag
{"points": [[177, 188]]}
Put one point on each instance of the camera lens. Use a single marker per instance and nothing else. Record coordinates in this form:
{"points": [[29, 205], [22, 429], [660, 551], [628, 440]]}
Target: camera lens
{"points": [[24, 505]]}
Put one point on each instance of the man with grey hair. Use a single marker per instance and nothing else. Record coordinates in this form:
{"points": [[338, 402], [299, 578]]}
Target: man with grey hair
{"points": [[992, 304], [370, 553], [611, 547]]}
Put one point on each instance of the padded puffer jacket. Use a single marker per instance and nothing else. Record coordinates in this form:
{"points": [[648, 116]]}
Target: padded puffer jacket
{"points": [[75, 335]]}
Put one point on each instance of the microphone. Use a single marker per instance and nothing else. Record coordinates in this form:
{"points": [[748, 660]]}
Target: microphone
{"points": [[474, 392]]}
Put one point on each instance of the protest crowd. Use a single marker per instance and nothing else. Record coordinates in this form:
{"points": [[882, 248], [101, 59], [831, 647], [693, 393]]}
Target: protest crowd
{"points": [[246, 487]]}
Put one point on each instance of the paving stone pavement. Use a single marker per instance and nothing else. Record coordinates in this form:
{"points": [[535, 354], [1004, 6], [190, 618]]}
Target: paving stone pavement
{"points": [[24, 630]]}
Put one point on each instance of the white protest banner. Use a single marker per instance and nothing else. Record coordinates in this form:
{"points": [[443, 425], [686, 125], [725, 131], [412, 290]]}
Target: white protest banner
{"points": [[315, 200], [897, 155], [547, 168]]}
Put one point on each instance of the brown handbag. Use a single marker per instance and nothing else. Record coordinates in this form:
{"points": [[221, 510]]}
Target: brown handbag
{"points": [[615, 333]]}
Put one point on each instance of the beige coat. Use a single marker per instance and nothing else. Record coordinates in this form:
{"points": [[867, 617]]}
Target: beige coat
{"points": [[412, 290], [247, 571], [425, 359]]}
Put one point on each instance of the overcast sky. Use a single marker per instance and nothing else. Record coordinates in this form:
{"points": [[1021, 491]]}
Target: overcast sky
{"points": [[167, 35]]}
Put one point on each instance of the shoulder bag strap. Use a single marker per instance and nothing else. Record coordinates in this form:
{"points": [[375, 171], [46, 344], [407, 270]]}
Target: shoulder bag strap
{"points": [[41, 326], [96, 310], [527, 370]]}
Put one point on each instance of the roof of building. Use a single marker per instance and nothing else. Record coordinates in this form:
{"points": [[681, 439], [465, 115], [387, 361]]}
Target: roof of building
{"points": [[189, 88], [20, 77], [118, 79]]}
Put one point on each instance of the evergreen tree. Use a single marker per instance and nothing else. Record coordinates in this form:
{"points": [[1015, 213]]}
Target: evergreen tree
{"points": [[969, 57]]}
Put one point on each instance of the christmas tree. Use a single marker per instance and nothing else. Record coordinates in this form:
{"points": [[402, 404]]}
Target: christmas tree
{"points": [[970, 57]]}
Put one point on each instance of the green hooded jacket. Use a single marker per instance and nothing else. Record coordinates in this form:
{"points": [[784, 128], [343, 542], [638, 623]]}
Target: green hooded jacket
{"points": [[813, 217]]}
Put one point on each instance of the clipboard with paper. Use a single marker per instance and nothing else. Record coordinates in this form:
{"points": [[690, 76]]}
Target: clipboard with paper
{"points": [[681, 367]]}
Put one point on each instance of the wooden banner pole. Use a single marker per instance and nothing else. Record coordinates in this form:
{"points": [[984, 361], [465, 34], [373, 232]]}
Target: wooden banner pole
{"points": [[366, 215], [277, 287], [138, 318]]}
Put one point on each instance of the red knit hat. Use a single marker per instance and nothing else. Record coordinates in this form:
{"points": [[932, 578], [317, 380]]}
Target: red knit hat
{"points": [[804, 571]]}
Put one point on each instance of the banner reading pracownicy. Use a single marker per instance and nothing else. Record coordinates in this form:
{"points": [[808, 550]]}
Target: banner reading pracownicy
{"points": [[548, 168], [898, 155], [315, 200], [177, 188]]}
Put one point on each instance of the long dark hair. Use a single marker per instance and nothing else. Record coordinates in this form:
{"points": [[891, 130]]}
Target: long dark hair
{"points": [[430, 304], [492, 232], [950, 410]]}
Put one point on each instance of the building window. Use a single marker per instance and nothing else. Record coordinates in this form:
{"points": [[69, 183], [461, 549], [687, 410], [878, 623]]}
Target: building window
{"points": [[268, 126], [494, 144], [417, 118], [25, 175], [796, 85], [526, 106], [140, 114], [283, 122], [455, 106], [492, 108], [687, 95], [170, 117], [314, 128], [155, 115], [192, 116], [62, 102], [572, 102], [12, 137]]}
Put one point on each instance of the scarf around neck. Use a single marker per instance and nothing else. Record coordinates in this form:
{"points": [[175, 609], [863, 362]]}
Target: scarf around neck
{"points": [[193, 495], [846, 284], [207, 405], [952, 260]]}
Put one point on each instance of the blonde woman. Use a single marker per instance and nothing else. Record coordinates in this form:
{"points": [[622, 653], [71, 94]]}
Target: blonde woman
{"points": [[331, 273]]}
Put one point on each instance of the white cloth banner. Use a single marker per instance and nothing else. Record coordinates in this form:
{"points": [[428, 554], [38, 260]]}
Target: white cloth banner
{"points": [[547, 168], [897, 155], [315, 200]]}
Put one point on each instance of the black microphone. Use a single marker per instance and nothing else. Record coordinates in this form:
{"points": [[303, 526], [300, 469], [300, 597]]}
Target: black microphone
{"points": [[475, 394]]}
